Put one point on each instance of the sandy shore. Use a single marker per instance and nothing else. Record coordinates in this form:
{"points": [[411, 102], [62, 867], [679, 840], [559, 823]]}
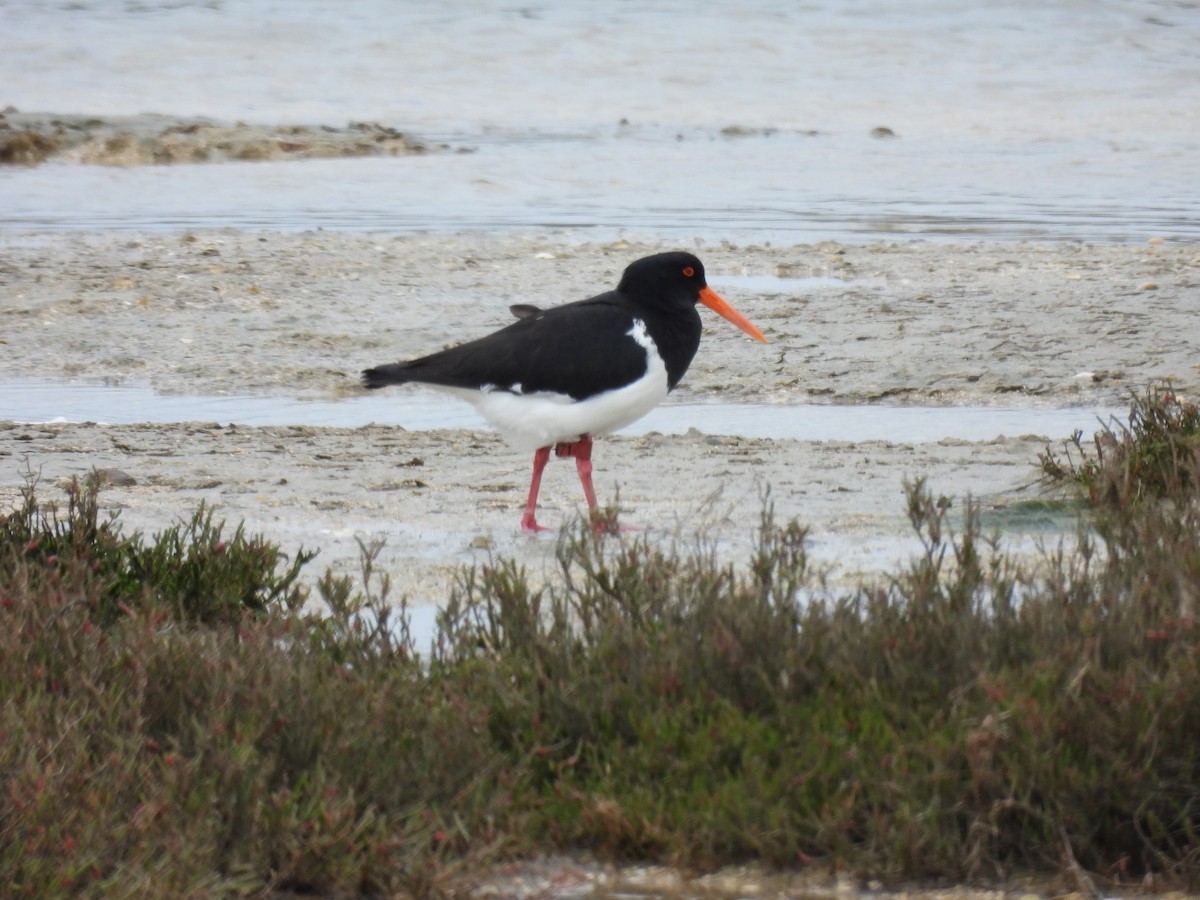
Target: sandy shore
{"points": [[301, 314]]}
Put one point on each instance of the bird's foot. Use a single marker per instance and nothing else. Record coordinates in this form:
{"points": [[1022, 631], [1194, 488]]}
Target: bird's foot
{"points": [[530, 526]]}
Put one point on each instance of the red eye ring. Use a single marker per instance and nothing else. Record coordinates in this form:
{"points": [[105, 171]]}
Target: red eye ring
{"points": [[688, 271]]}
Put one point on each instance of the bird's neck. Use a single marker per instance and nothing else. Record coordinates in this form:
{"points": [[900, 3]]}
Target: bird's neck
{"points": [[677, 338]]}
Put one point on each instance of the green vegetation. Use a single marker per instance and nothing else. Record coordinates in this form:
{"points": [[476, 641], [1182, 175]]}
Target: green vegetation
{"points": [[172, 724], [1153, 457], [191, 568]]}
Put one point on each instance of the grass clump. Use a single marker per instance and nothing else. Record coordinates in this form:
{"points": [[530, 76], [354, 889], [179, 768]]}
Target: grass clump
{"points": [[1141, 482], [1156, 456], [193, 566], [172, 723]]}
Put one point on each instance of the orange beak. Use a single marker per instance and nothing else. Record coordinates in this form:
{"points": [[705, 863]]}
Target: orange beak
{"points": [[713, 301]]}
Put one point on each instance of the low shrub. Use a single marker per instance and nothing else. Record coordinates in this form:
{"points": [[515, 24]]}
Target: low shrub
{"points": [[967, 719], [193, 566], [174, 723]]}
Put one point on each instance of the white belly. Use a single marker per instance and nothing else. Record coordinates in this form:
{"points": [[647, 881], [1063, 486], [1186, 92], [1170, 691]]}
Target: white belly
{"points": [[530, 421]]}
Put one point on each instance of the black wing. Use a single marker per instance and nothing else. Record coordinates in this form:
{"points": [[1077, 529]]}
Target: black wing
{"points": [[579, 349]]}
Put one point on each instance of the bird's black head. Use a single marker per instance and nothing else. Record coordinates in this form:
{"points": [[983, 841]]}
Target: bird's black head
{"points": [[675, 281], [665, 279]]}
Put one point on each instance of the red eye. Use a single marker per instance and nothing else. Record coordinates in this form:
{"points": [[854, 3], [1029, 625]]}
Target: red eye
{"points": [[688, 271]]}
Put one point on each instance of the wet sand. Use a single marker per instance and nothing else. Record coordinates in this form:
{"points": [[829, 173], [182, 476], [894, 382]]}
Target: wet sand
{"points": [[301, 314]]}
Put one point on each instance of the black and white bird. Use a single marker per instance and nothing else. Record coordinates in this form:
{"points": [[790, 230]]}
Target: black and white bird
{"points": [[558, 377]]}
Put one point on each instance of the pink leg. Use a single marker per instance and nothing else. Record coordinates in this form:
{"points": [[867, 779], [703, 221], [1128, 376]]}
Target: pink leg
{"points": [[602, 522], [582, 451], [528, 521]]}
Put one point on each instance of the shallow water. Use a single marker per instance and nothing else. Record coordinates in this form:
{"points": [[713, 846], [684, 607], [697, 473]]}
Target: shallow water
{"points": [[1014, 119], [41, 402], [608, 187]]}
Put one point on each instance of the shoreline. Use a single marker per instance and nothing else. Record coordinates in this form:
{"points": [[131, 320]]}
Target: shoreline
{"points": [[444, 500]]}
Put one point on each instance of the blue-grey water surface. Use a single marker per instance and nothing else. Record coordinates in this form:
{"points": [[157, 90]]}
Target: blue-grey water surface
{"points": [[1056, 119]]}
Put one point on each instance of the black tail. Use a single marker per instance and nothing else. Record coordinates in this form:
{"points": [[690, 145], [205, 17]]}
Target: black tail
{"points": [[382, 376]]}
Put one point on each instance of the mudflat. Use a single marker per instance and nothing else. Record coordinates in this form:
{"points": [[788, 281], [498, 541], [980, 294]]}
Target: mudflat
{"points": [[300, 314]]}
